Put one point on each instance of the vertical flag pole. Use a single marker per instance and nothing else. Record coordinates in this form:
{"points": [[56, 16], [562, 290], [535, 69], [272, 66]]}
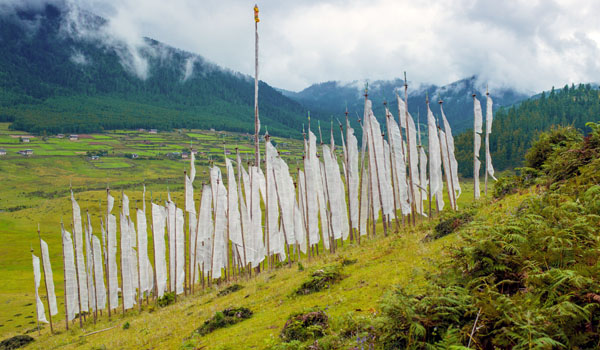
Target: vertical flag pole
{"points": [[410, 179], [37, 316], [487, 140], [256, 120], [45, 282], [451, 187], [107, 251], [65, 276], [475, 176]]}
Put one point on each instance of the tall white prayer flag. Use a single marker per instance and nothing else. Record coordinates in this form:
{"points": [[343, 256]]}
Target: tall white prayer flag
{"points": [[49, 278], [79, 260], [435, 161], [37, 276], [71, 291], [453, 162], [489, 116]]}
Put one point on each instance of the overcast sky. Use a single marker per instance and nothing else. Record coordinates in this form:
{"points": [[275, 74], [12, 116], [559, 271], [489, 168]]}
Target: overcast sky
{"points": [[530, 45]]}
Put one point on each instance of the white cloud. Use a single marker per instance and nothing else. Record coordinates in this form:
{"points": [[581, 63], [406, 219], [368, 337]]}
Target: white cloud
{"points": [[527, 44]]}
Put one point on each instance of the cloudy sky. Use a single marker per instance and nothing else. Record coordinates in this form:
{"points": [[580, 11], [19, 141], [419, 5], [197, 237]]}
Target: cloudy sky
{"points": [[531, 45]]}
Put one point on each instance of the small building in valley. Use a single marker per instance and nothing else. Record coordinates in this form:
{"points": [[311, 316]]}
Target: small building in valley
{"points": [[73, 137], [60, 136], [2, 152], [153, 131], [26, 152], [25, 139]]}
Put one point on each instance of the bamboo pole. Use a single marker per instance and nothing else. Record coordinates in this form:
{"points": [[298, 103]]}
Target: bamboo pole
{"points": [[212, 254], [256, 120], [392, 165], [241, 198], [285, 233], [453, 195], [267, 233], [410, 179], [347, 162], [185, 260], [65, 277], [45, 282], [487, 141], [176, 251], [78, 285], [37, 316], [475, 176], [139, 265], [378, 179], [107, 251], [89, 242]]}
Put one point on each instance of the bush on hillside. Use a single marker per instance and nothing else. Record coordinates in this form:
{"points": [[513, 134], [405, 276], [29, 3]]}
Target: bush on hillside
{"points": [[15, 342], [450, 222], [230, 289], [547, 142], [319, 280], [309, 324], [224, 318]]}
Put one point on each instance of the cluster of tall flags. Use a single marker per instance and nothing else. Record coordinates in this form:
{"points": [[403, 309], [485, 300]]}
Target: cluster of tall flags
{"points": [[260, 216]]}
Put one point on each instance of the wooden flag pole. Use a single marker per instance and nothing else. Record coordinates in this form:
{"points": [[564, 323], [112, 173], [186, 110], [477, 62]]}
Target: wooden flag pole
{"points": [[195, 261], [430, 162], [175, 270], [285, 232], [89, 242], [256, 120], [475, 176], [65, 277], [487, 140], [154, 251], [240, 199], [139, 264], [392, 165], [212, 254], [383, 219], [45, 282], [267, 233], [410, 179], [78, 285], [453, 193], [107, 251], [185, 260], [37, 316]]}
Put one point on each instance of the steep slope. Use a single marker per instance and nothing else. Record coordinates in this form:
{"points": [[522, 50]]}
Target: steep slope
{"points": [[62, 70], [332, 97]]}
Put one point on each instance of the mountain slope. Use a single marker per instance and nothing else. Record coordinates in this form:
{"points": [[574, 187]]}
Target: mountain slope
{"points": [[62, 71], [333, 97]]}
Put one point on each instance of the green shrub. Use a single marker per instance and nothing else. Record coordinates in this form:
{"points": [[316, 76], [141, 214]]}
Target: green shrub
{"points": [[450, 222], [15, 342], [541, 149], [319, 280], [306, 325], [126, 325], [223, 319], [167, 299], [230, 289]]}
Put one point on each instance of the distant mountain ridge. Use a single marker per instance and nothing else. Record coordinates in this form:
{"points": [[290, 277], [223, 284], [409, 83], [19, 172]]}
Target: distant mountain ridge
{"points": [[62, 71], [333, 97]]}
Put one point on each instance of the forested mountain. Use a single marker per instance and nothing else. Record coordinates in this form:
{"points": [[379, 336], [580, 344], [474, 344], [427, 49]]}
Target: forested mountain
{"points": [[333, 97], [514, 128], [61, 71]]}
